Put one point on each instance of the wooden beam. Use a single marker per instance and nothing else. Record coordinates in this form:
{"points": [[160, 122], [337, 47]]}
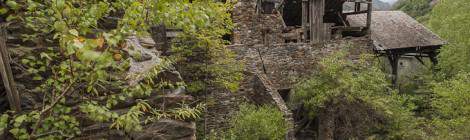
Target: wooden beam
{"points": [[348, 28], [356, 12], [305, 20], [433, 57], [394, 59], [312, 20], [369, 16], [358, 1], [321, 24], [357, 6], [317, 27], [6, 73], [420, 60]]}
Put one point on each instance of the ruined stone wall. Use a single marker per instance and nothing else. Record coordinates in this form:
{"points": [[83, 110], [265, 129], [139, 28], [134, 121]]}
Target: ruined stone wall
{"points": [[252, 27], [270, 64], [287, 64], [264, 93], [254, 89]]}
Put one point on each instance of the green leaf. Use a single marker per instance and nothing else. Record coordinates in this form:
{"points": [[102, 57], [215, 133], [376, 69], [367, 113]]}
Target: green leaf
{"points": [[25, 61], [73, 32], [37, 78], [60, 26], [11, 17], [45, 55], [3, 11], [14, 131], [12, 4], [60, 4], [20, 119]]}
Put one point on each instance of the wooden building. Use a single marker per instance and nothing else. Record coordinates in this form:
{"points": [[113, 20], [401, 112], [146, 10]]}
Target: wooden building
{"points": [[323, 20], [395, 34]]}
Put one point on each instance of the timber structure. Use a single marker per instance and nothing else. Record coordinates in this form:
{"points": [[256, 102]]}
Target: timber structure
{"points": [[395, 34], [324, 19], [281, 42]]}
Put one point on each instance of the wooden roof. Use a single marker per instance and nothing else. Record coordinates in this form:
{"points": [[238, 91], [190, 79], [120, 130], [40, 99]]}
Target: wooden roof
{"points": [[396, 30]]}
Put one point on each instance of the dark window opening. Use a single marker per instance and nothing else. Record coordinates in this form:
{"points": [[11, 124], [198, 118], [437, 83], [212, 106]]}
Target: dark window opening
{"points": [[290, 41], [292, 14], [268, 7], [285, 93], [227, 37]]}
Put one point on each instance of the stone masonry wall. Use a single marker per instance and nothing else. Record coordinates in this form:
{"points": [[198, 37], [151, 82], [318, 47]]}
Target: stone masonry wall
{"points": [[251, 27], [270, 64], [254, 89], [287, 64]]}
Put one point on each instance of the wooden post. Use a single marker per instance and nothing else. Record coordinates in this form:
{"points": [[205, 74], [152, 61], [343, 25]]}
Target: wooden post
{"points": [[394, 59], [312, 20], [357, 6], [369, 15], [433, 57], [317, 10], [6, 73], [305, 20], [321, 25]]}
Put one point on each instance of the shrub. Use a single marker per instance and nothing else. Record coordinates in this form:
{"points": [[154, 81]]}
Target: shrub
{"points": [[341, 85], [453, 25], [258, 123], [452, 107]]}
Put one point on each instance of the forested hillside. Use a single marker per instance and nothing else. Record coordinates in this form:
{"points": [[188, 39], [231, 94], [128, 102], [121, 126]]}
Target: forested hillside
{"points": [[449, 106], [376, 5], [415, 8]]}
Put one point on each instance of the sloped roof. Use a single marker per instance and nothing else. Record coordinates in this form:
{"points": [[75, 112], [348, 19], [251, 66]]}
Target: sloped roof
{"points": [[396, 30]]}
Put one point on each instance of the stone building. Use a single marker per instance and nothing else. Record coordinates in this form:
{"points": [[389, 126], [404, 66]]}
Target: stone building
{"points": [[281, 41], [276, 55]]}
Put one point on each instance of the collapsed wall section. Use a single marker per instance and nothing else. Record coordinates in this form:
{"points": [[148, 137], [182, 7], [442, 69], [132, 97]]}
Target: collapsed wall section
{"points": [[269, 69]]}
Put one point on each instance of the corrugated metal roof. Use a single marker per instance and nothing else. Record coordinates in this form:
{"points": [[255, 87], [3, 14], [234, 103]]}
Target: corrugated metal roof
{"points": [[397, 30]]}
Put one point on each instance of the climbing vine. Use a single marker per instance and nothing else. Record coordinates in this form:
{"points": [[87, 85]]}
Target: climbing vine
{"points": [[85, 59]]}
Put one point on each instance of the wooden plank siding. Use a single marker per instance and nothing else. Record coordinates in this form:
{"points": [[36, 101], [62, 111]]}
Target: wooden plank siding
{"points": [[317, 30]]}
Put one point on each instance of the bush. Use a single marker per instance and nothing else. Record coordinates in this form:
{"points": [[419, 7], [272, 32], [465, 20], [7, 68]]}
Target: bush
{"points": [[414, 8], [257, 123], [453, 25], [341, 85], [452, 108]]}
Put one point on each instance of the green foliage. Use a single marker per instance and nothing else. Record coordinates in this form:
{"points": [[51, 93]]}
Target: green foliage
{"points": [[339, 77], [447, 106], [257, 123], [415, 8], [79, 63], [452, 108], [362, 81], [204, 60], [450, 23], [96, 112], [452, 97]]}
